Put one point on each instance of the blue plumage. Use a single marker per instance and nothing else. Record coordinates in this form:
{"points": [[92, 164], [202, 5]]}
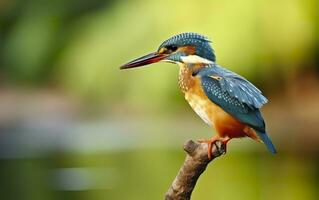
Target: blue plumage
{"points": [[232, 105], [200, 42], [237, 96], [236, 86], [264, 137]]}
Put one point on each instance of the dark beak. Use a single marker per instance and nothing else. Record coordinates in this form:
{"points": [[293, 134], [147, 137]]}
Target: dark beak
{"points": [[144, 60]]}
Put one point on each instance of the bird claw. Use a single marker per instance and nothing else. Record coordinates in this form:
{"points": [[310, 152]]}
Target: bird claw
{"points": [[210, 143], [221, 145]]}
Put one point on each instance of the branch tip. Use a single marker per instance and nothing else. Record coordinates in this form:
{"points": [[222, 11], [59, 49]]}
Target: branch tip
{"points": [[190, 147]]}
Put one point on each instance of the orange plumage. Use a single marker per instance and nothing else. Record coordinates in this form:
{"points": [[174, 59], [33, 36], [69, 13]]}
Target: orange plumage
{"points": [[226, 126]]}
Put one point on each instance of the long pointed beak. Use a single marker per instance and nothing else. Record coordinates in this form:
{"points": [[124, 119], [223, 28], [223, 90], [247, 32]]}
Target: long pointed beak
{"points": [[144, 60]]}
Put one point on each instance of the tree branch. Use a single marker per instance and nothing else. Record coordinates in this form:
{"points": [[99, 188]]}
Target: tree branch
{"points": [[194, 165]]}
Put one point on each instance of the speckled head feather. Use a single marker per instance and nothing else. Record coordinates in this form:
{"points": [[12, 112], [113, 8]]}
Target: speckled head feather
{"points": [[199, 42]]}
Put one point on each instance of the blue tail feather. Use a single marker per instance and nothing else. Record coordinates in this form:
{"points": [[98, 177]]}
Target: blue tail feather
{"points": [[264, 137]]}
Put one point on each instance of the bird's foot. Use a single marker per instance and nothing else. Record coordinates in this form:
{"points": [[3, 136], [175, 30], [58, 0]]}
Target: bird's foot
{"points": [[224, 144], [212, 141]]}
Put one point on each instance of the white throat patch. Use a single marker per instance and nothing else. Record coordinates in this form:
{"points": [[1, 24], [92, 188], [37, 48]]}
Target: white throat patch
{"points": [[194, 59]]}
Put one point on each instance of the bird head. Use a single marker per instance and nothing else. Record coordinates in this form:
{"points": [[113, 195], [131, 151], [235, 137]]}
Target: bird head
{"points": [[187, 48]]}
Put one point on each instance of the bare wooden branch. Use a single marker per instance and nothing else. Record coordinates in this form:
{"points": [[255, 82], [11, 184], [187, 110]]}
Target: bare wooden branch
{"points": [[194, 165]]}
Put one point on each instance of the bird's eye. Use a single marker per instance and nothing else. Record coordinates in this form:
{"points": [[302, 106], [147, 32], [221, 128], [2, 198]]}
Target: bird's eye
{"points": [[171, 48]]}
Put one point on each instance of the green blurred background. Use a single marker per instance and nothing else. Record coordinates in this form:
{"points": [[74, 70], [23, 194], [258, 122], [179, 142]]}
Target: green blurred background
{"points": [[73, 126]]}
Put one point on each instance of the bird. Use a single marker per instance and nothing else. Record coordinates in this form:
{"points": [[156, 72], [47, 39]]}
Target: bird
{"points": [[224, 100]]}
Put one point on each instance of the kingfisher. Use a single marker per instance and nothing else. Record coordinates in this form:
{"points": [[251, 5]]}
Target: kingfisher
{"points": [[223, 99]]}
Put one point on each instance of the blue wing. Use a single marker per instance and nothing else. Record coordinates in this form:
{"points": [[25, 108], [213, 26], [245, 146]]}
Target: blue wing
{"points": [[234, 94], [236, 86]]}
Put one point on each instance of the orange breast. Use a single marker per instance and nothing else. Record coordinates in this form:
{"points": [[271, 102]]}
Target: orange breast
{"points": [[213, 115]]}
